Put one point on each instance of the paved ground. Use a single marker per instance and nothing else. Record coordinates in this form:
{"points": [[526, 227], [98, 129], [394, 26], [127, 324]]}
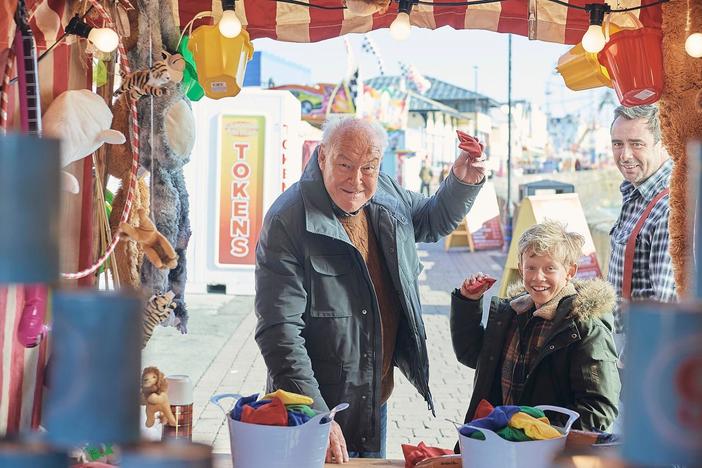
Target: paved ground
{"points": [[221, 356]]}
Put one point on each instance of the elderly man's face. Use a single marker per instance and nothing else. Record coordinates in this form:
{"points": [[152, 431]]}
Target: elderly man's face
{"points": [[350, 168]]}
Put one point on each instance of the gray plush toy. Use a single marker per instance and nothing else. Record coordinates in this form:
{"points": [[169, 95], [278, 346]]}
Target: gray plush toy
{"points": [[164, 151]]}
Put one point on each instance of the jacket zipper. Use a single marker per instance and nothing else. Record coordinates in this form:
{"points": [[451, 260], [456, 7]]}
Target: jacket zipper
{"points": [[423, 383]]}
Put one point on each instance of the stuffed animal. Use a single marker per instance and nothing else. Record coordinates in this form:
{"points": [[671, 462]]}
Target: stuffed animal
{"points": [[81, 120], [153, 391], [367, 7], [162, 155], [158, 308], [151, 81], [156, 247], [128, 254]]}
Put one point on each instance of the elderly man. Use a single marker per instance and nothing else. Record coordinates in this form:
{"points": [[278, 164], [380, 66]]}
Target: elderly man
{"points": [[337, 298], [640, 266]]}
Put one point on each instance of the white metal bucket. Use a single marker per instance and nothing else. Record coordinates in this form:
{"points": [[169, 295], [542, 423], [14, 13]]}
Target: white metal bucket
{"points": [[258, 446], [498, 452]]}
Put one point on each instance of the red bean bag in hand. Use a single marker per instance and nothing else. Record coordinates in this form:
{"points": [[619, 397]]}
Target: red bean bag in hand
{"points": [[479, 283], [470, 145]]}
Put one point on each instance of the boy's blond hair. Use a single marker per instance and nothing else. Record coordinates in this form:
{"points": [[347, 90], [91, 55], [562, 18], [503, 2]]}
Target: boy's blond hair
{"points": [[552, 238]]}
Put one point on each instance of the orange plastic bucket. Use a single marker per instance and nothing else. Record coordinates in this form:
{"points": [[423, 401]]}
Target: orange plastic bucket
{"points": [[634, 60], [220, 61], [581, 70]]}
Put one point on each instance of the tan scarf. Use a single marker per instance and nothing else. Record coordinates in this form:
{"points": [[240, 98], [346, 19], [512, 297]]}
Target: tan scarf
{"points": [[547, 311]]}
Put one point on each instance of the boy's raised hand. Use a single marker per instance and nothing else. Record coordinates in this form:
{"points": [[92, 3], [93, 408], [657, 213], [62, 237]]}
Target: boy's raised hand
{"points": [[475, 286]]}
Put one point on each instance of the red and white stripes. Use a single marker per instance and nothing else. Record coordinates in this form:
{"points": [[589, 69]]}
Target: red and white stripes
{"points": [[542, 20]]}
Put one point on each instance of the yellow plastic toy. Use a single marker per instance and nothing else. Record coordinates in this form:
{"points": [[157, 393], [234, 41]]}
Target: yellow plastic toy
{"points": [[581, 69]]}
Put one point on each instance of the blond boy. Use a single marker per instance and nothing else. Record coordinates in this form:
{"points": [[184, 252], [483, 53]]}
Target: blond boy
{"points": [[550, 342]]}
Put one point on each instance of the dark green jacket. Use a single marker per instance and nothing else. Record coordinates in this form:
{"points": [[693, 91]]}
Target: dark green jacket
{"points": [[318, 322], [575, 369]]}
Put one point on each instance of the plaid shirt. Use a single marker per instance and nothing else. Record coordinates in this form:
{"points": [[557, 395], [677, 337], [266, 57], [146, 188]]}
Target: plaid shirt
{"points": [[652, 274], [525, 339]]}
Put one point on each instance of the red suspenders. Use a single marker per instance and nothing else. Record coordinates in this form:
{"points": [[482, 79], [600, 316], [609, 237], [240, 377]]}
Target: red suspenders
{"points": [[631, 244]]}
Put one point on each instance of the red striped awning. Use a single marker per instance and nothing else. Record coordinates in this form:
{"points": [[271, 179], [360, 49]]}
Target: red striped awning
{"points": [[294, 23], [537, 19]]}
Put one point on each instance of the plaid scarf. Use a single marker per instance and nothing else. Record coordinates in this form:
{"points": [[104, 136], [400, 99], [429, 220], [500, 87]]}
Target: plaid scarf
{"points": [[524, 341]]}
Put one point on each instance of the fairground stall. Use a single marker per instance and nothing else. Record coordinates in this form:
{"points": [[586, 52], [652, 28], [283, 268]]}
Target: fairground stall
{"points": [[98, 125]]}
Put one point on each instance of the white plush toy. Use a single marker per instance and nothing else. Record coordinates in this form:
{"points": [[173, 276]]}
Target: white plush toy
{"points": [[82, 120]]}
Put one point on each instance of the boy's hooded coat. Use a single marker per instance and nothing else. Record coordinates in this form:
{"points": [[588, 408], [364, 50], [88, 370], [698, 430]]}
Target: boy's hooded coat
{"points": [[576, 367]]}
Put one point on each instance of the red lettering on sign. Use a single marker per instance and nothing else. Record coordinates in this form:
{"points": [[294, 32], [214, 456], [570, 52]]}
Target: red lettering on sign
{"points": [[239, 190], [239, 227], [241, 170], [240, 149], [240, 209], [239, 247]]}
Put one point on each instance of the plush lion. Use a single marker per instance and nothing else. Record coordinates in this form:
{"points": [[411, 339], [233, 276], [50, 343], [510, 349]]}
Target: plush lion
{"points": [[154, 396]]}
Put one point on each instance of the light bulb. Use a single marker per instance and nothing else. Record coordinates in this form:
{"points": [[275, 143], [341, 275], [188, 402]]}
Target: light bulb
{"points": [[594, 40], [693, 45], [229, 24], [400, 28], [105, 39]]}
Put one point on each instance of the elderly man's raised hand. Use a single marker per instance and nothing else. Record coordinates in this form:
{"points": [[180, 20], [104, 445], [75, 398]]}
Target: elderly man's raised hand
{"points": [[469, 168]]}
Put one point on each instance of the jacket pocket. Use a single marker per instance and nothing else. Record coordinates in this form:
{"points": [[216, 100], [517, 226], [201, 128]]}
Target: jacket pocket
{"points": [[327, 372], [332, 286]]}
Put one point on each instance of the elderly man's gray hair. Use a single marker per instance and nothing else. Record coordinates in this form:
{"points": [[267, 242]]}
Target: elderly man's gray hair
{"points": [[334, 124], [648, 112]]}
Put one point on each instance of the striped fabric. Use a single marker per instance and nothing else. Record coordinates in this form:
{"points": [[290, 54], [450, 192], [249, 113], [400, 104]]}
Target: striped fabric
{"points": [[294, 23], [21, 369]]}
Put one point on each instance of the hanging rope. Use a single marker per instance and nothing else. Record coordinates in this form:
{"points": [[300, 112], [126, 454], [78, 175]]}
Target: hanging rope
{"points": [[134, 140]]}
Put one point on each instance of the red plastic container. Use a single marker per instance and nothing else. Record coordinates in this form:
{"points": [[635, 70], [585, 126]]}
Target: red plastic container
{"points": [[634, 60]]}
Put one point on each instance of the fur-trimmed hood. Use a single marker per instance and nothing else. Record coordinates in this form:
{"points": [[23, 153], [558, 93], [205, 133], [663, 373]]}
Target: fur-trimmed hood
{"points": [[595, 297]]}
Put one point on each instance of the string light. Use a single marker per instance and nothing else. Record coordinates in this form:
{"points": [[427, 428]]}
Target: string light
{"points": [[104, 39], [594, 40], [693, 45], [229, 24], [400, 27]]}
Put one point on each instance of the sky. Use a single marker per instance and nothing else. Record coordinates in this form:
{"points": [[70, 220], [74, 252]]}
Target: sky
{"points": [[449, 55]]}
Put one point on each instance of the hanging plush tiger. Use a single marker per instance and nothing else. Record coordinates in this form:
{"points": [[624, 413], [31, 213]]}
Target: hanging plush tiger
{"points": [[158, 308], [152, 81]]}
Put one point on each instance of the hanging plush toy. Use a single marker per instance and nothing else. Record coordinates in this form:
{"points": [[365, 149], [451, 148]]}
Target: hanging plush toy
{"points": [[158, 308], [152, 81], [81, 120], [156, 247]]}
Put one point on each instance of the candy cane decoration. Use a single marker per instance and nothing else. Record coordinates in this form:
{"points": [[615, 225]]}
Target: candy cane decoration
{"points": [[134, 139]]}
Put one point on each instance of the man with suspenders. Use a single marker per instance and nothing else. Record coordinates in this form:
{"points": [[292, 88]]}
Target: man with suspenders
{"points": [[640, 267]]}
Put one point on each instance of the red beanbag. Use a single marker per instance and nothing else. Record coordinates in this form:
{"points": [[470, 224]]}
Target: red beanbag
{"points": [[478, 285], [469, 144]]}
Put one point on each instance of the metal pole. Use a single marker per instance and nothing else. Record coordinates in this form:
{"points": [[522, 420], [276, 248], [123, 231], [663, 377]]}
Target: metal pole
{"points": [[508, 226], [475, 98]]}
